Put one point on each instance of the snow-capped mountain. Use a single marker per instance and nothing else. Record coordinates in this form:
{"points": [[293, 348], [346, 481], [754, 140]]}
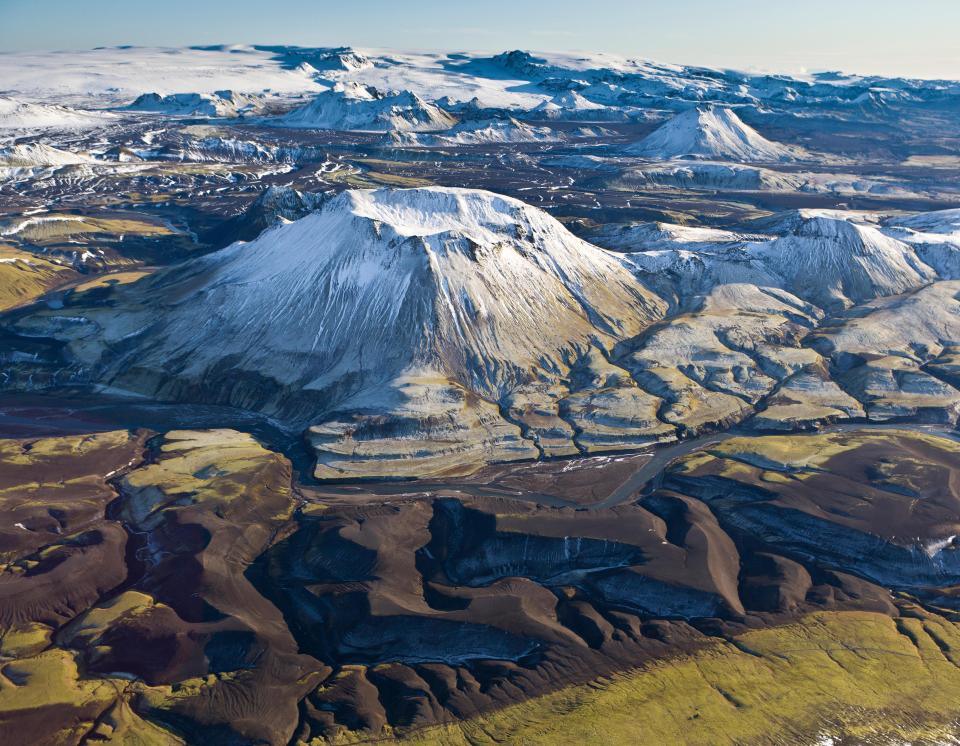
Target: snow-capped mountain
{"points": [[388, 311], [830, 258], [572, 105], [357, 107], [25, 115], [930, 227], [218, 104], [710, 132], [38, 155], [633, 237], [478, 132], [312, 59], [833, 260], [470, 283]]}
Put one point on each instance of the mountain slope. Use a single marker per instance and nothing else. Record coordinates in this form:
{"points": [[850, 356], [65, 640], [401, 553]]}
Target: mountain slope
{"points": [[834, 261], [274, 205], [710, 133], [830, 258], [404, 316], [25, 276], [938, 227], [37, 155]]}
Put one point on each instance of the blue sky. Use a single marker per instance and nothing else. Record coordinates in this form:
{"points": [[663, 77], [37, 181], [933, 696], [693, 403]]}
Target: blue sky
{"points": [[916, 37]]}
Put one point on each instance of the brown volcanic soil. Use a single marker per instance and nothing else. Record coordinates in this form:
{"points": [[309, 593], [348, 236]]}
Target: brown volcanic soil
{"points": [[60, 552], [885, 506], [896, 486], [187, 590]]}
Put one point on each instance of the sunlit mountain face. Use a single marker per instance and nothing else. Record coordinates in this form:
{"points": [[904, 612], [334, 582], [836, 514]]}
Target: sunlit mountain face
{"points": [[355, 396]]}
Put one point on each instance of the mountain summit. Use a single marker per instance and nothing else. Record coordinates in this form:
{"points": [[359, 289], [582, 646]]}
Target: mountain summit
{"points": [[712, 133]]}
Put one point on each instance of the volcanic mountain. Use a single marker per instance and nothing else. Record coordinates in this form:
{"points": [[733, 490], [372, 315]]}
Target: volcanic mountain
{"points": [[478, 132], [351, 106], [834, 259], [219, 104], [711, 133], [38, 155], [408, 316], [831, 258]]}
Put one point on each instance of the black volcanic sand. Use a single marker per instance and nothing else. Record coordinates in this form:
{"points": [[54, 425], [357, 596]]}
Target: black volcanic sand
{"points": [[227, 605]]}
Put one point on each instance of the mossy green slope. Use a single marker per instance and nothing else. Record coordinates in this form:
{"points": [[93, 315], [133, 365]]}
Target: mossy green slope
{"points": [[856, 675]]}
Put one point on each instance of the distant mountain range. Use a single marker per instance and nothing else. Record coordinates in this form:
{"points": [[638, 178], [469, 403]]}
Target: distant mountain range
{"points": [[549, 86]]}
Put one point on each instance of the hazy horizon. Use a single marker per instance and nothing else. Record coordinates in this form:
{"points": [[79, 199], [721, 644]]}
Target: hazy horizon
{"points": [[856, 36]]}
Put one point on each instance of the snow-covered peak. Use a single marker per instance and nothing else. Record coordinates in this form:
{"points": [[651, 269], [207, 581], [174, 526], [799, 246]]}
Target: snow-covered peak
{"points": [[357, 91], [835, 225], [347, 59], [938, 226], [711, 132], [573, 105], [478, 132], [569, 102], [352, 106], [808, 218], [480, 215], [314, 59], [832, 260], [218, 104], [461, 285], [645, 237], [573, 101]]}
